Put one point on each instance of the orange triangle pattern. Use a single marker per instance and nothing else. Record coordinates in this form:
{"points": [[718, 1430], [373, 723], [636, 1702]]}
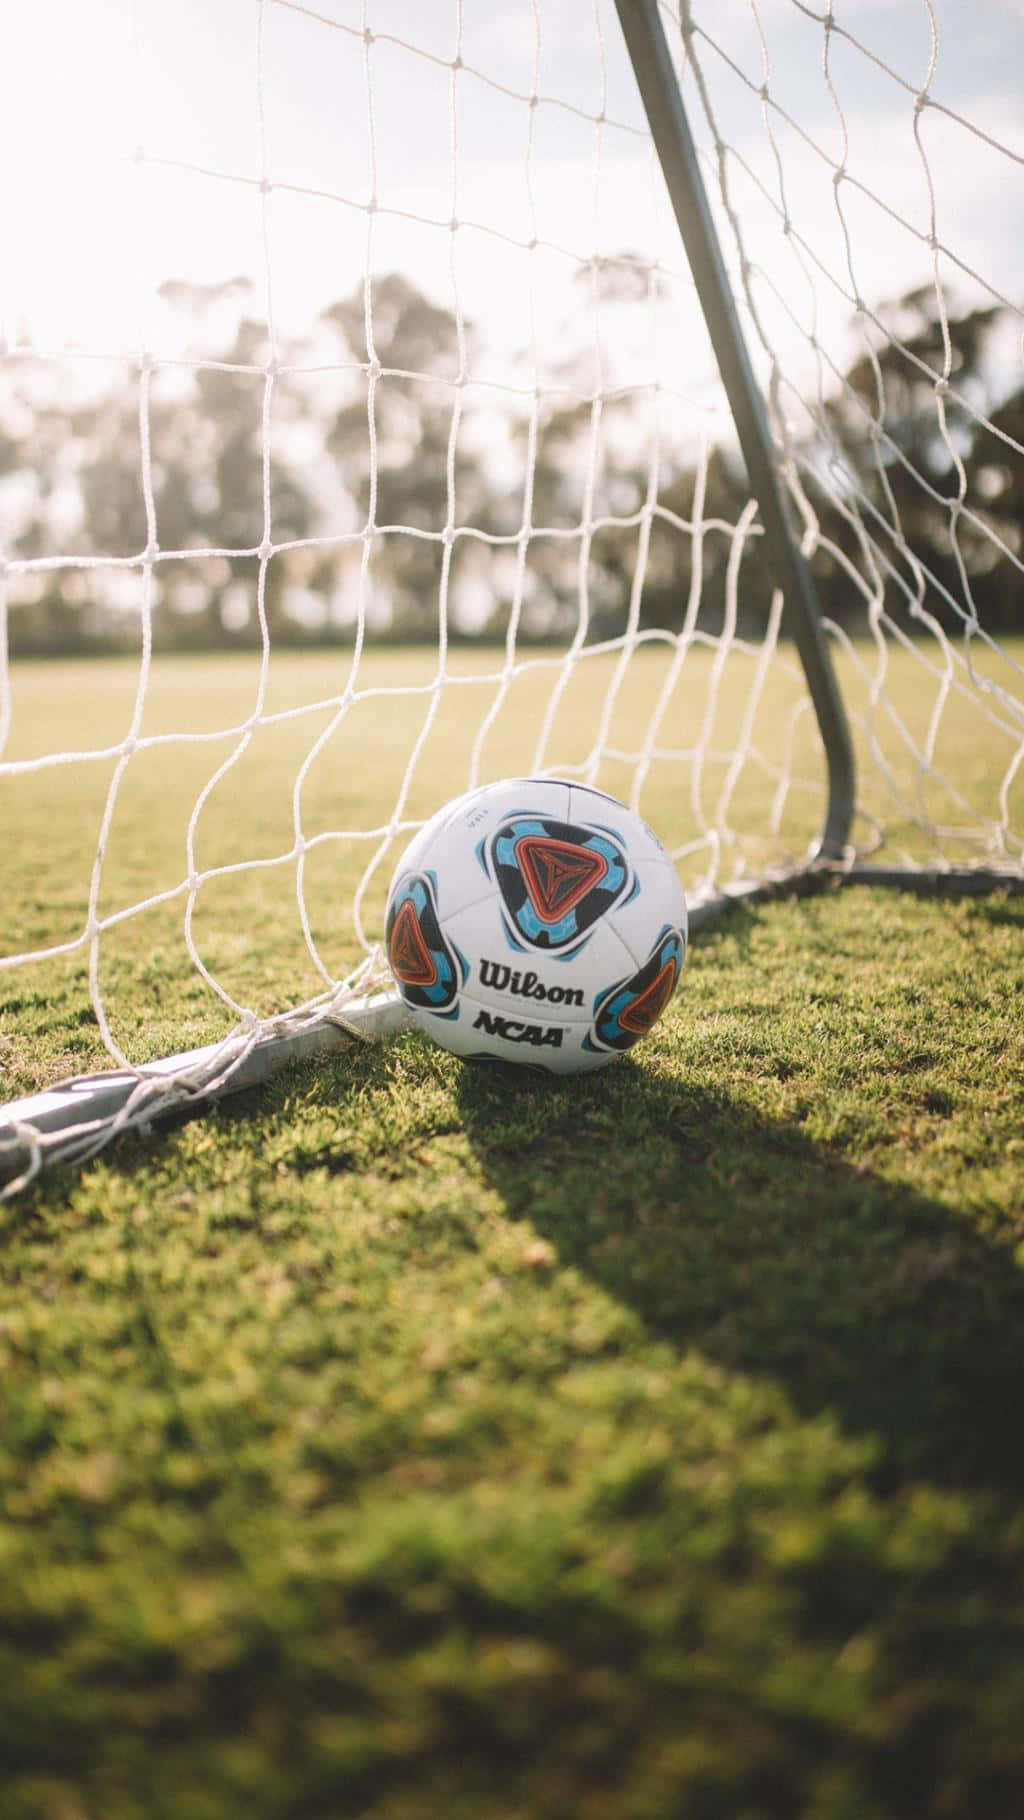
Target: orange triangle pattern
{"points": [[407, 951], [646, 1010], [557, 874]]}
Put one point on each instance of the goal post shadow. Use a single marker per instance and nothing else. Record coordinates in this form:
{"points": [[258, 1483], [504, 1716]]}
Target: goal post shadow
{"points": [[742, 1238]]}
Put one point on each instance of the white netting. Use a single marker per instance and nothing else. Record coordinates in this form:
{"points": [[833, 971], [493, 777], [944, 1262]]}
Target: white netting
{"points": [[362, 441]]}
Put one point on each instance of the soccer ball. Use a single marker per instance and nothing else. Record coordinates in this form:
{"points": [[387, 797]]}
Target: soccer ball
{"points": [[536, 921]]}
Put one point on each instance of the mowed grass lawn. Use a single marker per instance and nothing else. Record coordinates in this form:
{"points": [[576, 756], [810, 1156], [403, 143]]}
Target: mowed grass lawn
{"points": [[404, 1441]]}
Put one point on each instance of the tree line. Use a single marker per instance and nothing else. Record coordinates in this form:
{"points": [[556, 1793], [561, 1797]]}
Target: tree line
{"points": [[74, 477]]}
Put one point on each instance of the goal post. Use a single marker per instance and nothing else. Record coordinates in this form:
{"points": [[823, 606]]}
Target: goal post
{"points": [[660, 91], [625, 430]]}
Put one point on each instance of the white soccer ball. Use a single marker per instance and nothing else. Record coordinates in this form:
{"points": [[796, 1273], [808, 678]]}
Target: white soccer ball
{"points": [[536, 921]]}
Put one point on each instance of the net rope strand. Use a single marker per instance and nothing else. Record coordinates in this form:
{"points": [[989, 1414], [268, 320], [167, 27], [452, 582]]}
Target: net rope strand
{"points": [[585, 469]]}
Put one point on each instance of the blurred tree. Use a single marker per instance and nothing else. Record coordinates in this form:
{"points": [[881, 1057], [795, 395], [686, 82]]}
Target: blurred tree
{"points": [[403, 472], [995, 471], [205, 433], [72, 479], [896, 474]]}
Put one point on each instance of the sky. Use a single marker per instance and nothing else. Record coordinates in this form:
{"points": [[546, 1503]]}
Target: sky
{"points": [[135, 135]]}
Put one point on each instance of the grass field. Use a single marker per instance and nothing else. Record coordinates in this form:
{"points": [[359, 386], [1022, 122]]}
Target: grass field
{"points": [[402, 1441], [246, 924]]}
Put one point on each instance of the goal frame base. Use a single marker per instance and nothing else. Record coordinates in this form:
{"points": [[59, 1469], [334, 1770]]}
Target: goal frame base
{"points": [[76, 1118]]}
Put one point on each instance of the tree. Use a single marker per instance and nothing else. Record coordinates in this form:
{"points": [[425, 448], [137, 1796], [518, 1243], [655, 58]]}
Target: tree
{"points": [[995, 471], [417, 344], [80, 462], [886, 425]]}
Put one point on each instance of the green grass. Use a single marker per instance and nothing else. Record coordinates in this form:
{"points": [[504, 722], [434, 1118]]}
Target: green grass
{"points": [[245, 924], [403, 1441]]}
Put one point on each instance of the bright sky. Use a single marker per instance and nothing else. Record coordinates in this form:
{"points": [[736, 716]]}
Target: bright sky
{"points": [[88, 235]]}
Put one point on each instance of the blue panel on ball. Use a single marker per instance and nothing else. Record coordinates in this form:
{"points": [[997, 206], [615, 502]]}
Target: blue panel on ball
{"points": [[626, 1011], [422, 961], [557, 879]]}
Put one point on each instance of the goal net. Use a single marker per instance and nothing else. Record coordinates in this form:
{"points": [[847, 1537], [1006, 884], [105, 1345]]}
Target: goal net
{"points": [[363, 441]]}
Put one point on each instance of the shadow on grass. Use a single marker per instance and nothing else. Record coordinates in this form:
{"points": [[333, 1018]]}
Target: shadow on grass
{"points": [[747, 1240]]}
